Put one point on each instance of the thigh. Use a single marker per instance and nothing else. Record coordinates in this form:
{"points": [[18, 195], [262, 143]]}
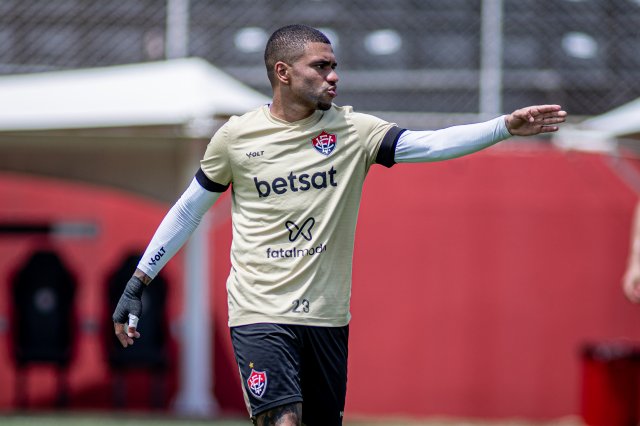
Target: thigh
{"points": [[268, 357], [324, 375]]}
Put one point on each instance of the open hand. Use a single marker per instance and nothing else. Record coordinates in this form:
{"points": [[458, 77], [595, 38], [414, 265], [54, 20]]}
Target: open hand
{"points": [[534, 120]]}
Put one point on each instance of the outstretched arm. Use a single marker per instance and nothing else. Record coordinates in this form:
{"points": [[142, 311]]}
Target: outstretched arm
{"points": [[174, 230], [631, 279], [456, 141]]}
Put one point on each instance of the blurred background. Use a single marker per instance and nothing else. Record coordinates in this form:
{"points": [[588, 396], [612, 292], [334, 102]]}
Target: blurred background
{"points": [[395, 55], [486, 287]]}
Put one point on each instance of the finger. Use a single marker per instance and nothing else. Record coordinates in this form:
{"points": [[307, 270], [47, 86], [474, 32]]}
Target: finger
{"points": [[553, 120], [549, 129], [133, 324], [525, 114], [121, 335], [529, 114], [560, 115], [547, 108], [132, 332], [133, 321], [532, 114]]}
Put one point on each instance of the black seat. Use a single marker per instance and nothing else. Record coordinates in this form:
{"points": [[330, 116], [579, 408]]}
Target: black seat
{"points": [[43, 296], [150, 352]]}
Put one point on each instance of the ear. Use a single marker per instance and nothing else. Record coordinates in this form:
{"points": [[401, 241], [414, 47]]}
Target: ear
{"points": [[282, 72]]}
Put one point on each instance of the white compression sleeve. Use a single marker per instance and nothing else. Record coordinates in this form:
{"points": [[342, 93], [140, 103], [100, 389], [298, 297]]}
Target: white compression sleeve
{"points": [[176, 227], [452, 142]]}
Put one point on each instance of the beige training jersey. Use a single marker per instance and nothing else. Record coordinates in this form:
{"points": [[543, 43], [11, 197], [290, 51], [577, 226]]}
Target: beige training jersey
{"points": [[296, 191]]}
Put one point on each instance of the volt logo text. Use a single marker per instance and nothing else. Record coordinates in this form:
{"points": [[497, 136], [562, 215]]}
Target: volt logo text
{"points": [[154, 259]]}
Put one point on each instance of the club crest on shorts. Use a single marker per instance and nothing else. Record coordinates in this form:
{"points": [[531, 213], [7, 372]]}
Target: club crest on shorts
{"points": [[324, 143], [257, 383]]}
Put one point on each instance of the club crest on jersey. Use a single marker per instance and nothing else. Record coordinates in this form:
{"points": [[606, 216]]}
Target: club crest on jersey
{"points": [[324, 143], [257, 383]]}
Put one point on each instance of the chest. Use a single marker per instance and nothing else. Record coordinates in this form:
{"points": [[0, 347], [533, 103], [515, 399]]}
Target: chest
{"points": [[280, 164]]}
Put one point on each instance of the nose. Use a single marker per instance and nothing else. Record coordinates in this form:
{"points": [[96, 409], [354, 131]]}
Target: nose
{"points": [[333, 76]]}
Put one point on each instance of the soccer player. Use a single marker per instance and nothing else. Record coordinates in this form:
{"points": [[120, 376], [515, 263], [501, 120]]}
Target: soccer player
{"points": [[297, 166]]}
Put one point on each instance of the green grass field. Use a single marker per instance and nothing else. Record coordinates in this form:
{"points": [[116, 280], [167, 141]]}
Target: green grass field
{"points": [[107, 419]]}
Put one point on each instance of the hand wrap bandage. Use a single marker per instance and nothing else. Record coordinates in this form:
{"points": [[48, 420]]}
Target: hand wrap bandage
{"points": [[130, 303]]}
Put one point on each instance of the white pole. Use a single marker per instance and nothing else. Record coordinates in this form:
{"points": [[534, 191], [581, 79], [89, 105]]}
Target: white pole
{"points": [[177, 39], [196, 379], [195, 392], [491, 59], [195, 395]]}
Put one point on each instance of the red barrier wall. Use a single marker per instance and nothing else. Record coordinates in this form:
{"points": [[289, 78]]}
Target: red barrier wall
{"points": [[124, 223], [476, 282]]}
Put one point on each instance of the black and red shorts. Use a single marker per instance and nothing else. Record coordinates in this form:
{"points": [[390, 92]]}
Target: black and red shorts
{"points": [[283, 364]]}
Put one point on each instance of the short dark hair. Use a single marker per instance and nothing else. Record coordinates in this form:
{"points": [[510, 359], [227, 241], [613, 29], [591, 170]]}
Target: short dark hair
{"points": [[287, 44]]}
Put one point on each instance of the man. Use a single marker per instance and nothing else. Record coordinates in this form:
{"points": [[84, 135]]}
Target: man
{"points": [[297, 166]]}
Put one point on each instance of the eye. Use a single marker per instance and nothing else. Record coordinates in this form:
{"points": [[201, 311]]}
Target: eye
{"points": [[323, 65]]}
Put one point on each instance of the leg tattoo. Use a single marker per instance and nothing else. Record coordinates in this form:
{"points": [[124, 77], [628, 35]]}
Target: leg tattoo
{"points": [[285, 415]]}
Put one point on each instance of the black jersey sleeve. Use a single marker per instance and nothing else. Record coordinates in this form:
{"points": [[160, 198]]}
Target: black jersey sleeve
{"points": [[208, 184], [386, 153]]}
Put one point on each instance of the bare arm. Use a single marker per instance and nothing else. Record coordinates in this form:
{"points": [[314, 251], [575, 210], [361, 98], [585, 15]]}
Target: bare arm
{"points": [[146, 279]]}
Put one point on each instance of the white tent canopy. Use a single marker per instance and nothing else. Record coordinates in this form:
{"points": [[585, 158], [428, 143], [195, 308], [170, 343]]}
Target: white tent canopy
{"points": [[171, 92], [619, 122], [601, 133]]}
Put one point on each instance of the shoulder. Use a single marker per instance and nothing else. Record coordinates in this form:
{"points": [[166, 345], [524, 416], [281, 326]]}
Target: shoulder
{"points": [[237, 126], [341, 109], [358, 118], [233, 129], [345, 112], [236, 122], [365, 124]]}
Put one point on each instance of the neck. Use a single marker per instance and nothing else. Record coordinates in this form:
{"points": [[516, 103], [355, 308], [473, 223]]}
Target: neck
{"points": [[289, 111]]}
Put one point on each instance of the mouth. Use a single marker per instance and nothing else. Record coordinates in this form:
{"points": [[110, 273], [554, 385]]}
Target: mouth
{"points": [[332, 91]]}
